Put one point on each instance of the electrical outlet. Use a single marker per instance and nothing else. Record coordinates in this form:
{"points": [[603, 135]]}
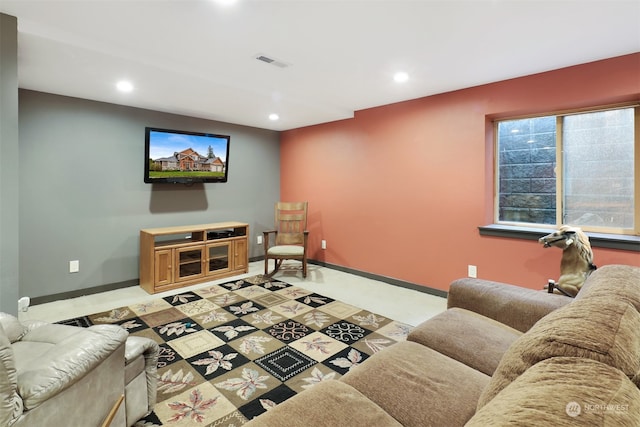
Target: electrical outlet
{"points": [[472, 271], [324, 244], [74, 266], [259, 240]]}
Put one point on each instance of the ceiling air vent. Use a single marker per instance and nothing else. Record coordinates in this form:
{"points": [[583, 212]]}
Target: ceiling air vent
{"points": [[272, 61]]}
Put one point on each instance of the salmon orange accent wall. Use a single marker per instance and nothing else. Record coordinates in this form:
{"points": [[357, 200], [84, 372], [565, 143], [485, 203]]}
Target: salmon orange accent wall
{"points": [[400, 190]]}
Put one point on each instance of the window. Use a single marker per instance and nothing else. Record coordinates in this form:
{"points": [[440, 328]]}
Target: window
{"points": [[576, 168]]}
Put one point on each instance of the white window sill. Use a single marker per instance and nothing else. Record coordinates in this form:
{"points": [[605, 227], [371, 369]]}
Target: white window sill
{"points": [[597, 240]]}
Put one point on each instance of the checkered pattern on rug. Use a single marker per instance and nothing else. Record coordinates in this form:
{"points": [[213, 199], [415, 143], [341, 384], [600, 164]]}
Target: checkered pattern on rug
{"points": [[232, 351]]}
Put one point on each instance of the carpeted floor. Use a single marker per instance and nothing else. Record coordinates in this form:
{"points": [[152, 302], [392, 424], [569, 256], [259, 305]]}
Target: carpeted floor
{"points": [[231, 351]]}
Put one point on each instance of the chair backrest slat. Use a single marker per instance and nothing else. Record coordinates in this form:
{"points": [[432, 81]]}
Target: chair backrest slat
{"points": [[290, 222]]}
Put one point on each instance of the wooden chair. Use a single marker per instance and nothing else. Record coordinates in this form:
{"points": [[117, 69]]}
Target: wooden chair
{"points": [[290, 234]]}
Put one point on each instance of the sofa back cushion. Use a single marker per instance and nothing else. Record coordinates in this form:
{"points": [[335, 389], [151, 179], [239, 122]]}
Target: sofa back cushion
{"points": [[619, 282], [10, 402], [564, 392], [597, 329]]}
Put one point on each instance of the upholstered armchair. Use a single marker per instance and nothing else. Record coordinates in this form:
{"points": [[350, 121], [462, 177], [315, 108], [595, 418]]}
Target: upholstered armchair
{"points": [[58, 375]]}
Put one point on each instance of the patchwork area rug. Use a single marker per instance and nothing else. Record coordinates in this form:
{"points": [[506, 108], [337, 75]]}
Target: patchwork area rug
{"points": [[232, 351]]}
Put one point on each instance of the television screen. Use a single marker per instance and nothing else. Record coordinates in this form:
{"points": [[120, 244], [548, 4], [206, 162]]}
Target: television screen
{"points": [[181, 157]]}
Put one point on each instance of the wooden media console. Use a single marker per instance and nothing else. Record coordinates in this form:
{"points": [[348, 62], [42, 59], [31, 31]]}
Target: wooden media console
{"points": [[173, 257]]}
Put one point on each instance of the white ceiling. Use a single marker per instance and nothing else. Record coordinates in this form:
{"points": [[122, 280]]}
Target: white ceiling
{"points": [[197, 57]]}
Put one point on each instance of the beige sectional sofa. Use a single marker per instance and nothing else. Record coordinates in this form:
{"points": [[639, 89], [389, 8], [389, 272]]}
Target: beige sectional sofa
{"points": [[499, 355]]}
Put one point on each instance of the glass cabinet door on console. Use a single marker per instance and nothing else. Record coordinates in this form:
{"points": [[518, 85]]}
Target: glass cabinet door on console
{"points": [[219, 257], [189, 262]]}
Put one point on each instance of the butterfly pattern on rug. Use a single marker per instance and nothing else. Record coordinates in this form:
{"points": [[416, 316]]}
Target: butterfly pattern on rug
{"points": [[232, 351]]}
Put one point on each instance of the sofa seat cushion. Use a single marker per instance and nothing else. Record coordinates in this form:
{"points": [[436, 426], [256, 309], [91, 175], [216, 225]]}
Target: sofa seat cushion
{"points": [[605, 331], [329, 403], [563, 392], [64, 356], [418, 386], [475, 340]]}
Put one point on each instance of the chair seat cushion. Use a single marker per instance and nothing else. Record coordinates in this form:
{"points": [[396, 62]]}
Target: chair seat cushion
{"points": [[286, 250]]}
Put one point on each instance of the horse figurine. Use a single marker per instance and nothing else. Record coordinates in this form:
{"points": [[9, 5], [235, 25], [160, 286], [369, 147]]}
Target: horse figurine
{"points": [[577, 258]]}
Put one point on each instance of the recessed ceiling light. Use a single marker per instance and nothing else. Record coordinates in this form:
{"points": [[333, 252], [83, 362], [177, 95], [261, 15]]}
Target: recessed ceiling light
{"points": [[225, 2], [273, 116], [124, 86], [401, 77]]}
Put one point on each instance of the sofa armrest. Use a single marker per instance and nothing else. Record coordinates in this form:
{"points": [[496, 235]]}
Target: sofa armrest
{"points": [[149, 349], [511, 305]]}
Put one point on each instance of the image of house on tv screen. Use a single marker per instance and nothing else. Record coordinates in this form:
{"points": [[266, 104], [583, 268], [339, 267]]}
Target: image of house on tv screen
{"points": [[182, 155]]}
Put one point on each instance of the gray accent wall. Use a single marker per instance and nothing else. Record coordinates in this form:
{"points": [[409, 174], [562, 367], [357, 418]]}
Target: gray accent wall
{"points": [[82, 195], [9, 194]]}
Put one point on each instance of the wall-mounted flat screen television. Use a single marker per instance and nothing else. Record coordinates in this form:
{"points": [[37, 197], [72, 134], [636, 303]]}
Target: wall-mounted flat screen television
{"points": [[182, 157]]}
